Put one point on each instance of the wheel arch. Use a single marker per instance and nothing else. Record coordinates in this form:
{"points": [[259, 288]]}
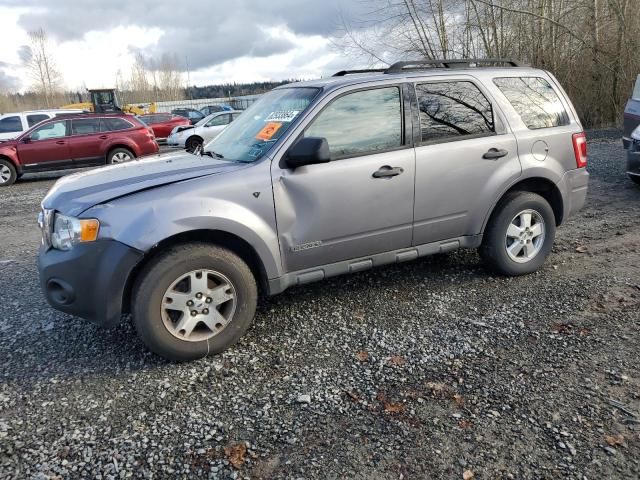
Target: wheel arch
{"points": [[221, 238], [13, 162], [540, 185], [191, 137]]}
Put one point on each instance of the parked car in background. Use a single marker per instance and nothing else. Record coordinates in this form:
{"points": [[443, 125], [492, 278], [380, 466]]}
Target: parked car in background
{"points": [[204, 131], [192, 114], [163, 123], [317, 179], [631, 114], [74, 141], [209, 109], [13, 124]]}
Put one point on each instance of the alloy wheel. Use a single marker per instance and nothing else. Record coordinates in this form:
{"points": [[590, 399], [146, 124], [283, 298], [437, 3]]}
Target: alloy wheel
{"points": [[525, 236], [198, 305], [120, 157], [5, 174]]}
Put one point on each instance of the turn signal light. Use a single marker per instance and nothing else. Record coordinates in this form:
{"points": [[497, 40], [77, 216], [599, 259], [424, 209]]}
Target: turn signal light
{"points": [[89, 230]]}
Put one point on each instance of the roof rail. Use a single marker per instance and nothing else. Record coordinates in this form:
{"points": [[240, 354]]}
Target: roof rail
{"points": [[342, 73], [451, 63]]}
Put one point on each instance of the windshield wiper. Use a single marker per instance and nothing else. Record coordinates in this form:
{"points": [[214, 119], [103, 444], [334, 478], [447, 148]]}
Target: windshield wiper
{"points": [[212, 154]]}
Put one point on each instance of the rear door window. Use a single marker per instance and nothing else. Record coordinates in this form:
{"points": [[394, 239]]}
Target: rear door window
{"points": [[115, 124], [36, 118], [85, 126], [535, 100], [361, 123], [452, 111], [10, 124]]}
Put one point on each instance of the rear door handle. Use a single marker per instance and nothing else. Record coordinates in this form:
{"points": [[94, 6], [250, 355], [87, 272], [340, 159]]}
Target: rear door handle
{"points": [[387, 171], [103, 137], [494, 154], [61, 142]]}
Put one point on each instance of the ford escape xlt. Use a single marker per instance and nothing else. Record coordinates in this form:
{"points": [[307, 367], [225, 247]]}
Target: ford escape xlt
{"points": [[318, 179]]}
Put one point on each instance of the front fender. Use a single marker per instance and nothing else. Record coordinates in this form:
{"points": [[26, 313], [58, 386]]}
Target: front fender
{"points": [[144, 219]]}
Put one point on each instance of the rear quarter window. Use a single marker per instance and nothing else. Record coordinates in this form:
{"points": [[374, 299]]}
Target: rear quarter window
{"points": [[535, 100]]}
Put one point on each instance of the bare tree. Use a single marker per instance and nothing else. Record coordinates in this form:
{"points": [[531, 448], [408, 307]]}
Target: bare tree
{"points": [[592, 46], [39, 61]]}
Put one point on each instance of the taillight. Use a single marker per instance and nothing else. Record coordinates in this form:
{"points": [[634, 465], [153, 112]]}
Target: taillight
{"points": [[580, 149]]}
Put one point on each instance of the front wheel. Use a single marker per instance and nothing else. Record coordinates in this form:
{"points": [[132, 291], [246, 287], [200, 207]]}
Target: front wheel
{"points": [[193, 144], [195, 300], [8, 173], [520, 234]]}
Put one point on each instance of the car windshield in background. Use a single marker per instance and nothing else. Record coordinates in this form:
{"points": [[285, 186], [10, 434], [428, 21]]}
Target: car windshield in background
{"points": [[255, 131], [636, 89]]}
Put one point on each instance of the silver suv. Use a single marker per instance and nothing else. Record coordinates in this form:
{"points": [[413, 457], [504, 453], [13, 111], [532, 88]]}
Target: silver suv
{"points": [[317, 179]]}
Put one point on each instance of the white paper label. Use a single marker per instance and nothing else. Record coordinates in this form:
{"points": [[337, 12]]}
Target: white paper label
{"points": [[283, 116]]}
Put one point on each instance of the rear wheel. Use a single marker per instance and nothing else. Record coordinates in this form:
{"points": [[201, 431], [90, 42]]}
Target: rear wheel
{"points": [[193, 144], [520, 234], [635, 179], [8, 174], [120, 155], [193, 301]]}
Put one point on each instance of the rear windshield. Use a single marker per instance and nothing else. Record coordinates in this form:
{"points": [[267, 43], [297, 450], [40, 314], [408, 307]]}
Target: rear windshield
{"points": [[535, 100]]}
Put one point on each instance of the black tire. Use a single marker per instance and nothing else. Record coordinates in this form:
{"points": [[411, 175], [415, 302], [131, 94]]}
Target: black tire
{"points": [[8, 173], [193, 143], [163, 271], [635, 179], [494, 243], [113, 155]]}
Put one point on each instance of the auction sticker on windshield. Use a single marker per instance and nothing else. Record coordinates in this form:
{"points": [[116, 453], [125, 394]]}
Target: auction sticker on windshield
{"points": [[283, 116], [268, 131]]}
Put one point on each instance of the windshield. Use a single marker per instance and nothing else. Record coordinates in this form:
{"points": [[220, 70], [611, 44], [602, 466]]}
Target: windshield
{"points": [[260, 126]]}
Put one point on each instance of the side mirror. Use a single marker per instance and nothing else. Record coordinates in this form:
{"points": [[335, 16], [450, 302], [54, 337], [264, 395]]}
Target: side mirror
{"points": [[26, 139], [308, 151]]}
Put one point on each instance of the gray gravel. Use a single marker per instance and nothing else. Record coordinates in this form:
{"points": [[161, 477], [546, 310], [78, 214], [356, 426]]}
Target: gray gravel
{"points": [[432, 369]]}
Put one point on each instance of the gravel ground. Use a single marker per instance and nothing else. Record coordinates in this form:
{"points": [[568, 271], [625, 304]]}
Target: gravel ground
{"points": [[432, 369]]}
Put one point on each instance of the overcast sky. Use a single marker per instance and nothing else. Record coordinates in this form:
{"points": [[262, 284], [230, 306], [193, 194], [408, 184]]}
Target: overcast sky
{"points": [[219, 40]]}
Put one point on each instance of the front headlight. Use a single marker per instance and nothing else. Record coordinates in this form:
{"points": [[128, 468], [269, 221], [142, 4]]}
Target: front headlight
{"points": [[636, 133], [67, 231]]}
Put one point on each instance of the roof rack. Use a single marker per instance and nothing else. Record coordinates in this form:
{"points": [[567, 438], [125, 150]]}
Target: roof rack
{"points": [[342, 73], [451, 63], [399, 67]]}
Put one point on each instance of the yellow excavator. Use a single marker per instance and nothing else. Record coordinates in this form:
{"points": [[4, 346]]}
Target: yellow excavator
{"points": [[105, 100]]}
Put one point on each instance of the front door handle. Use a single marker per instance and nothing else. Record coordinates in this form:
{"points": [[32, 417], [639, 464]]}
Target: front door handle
{"points": [[60, 142], [494, 154], [103, 137], [387, 171]]}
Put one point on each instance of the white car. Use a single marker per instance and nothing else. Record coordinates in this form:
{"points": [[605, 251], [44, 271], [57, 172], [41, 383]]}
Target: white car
{"points": [[193, 137], [13, 124]]}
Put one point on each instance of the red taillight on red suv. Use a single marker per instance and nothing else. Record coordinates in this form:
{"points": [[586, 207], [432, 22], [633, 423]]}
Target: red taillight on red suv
{"points": [[580, 149]]}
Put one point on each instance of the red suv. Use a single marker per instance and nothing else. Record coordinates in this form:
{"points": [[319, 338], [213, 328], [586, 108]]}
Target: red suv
{"points": [[74, 141]]}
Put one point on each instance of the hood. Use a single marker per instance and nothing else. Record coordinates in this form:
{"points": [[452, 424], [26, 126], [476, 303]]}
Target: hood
{"points": [[75, 193], [8, 142]]}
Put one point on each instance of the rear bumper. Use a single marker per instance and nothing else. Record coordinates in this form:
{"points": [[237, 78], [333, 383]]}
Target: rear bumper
{"points": [[573, 186], [89, 280]]}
